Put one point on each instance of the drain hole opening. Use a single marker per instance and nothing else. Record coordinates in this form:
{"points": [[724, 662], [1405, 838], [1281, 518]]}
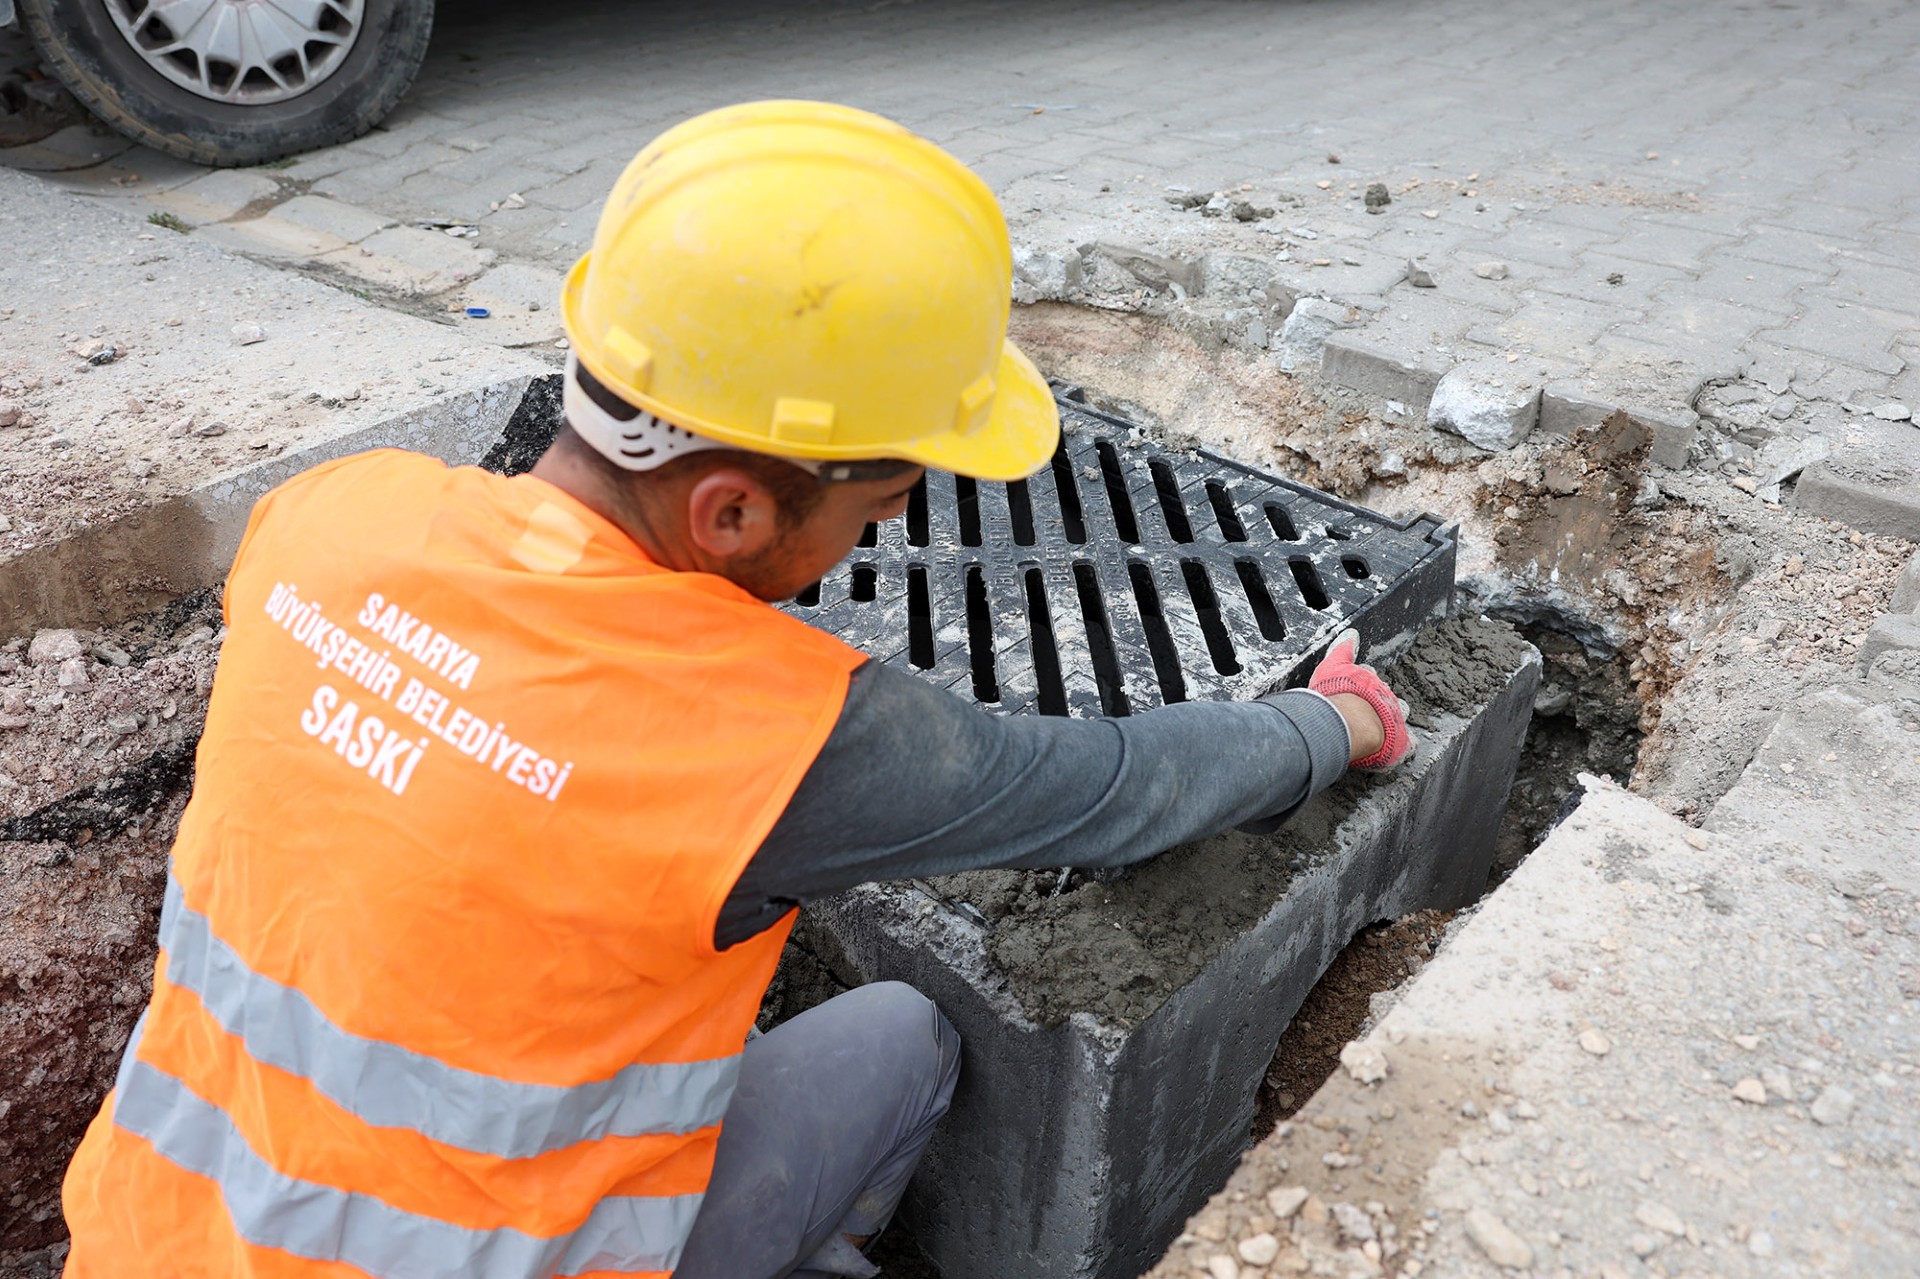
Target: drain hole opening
{"points": [[1338, 534], [986, 682], [869, 536], [1072, 519], [1046, 653], [1282, 521], [1264, 613], [1356, 567], [866, 582], [808, 598], [1117, 496], [1220, 497], [966, 499], [1020, 508], [1166, 658], [1179, 527], [917, 533], [1212, 625], [919, 619], [1308, 578], [1106, 660]]}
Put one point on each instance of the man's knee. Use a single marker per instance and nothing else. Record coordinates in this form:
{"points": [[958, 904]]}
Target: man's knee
{"points": [[899, 1014]]}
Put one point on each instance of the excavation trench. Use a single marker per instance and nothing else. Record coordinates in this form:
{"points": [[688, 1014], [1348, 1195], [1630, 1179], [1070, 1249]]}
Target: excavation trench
{"points": [[1654, 596]]}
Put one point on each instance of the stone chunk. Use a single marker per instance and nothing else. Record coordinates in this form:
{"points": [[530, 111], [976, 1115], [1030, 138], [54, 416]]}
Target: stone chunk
{"points": [[1304, 335], [1364, 1062], [1498, 1240], [1906, 592], [1259, 1250], [1286, 1201], [1657, 1216], [1490, 403], [1833, 1106], [1751, 1091], [53, 646], [1889, 634]]}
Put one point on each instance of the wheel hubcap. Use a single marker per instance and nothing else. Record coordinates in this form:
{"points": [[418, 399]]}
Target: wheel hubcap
{"points": [[249, 52]]}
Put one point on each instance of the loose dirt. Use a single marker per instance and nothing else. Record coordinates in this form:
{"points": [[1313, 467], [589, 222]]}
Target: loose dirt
{"points": [[1119, 948], [1338, 1009]]}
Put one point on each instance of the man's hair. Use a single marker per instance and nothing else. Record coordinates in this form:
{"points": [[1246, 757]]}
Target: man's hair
{"points": [[795, 492]]}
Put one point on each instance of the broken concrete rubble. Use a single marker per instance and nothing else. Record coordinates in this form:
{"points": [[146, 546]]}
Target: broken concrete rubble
{"points": [[1493, 404]]}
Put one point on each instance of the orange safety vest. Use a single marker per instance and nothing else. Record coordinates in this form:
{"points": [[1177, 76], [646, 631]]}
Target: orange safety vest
{"points": [[437, 991]]}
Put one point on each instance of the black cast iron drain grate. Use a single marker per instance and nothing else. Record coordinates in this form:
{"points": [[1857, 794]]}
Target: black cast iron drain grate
{"points": [[1125, 576]]}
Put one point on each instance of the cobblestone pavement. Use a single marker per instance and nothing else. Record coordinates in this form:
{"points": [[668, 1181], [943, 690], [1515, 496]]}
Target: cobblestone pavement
{"points": [[1669, 192]]}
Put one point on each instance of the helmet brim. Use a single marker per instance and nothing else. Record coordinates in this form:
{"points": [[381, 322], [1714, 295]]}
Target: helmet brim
{"points": [[1018, 438]]}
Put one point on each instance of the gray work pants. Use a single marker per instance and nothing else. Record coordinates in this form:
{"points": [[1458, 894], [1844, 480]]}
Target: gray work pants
{"points": [[832, 1111]]}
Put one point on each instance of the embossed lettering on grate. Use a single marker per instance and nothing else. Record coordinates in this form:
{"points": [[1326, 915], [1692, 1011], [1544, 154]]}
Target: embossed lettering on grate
{"points": [[1125, 576]]}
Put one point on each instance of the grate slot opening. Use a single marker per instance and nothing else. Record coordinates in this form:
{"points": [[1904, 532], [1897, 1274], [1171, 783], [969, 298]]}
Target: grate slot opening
{"points": [[1308, 579], [1356, 567], [869, 536], [809, 597], [1020, 511], [919, 618], [1106, 659], [1338, 534], [986, 681], [1220, 497], [1282, 521], [866, 584], [1072, 519], [918, 533], [1046, 651], [1254, 583], [1212, 626], [1167, 488], [1117, 496], [966, 501], [1160, 645]]}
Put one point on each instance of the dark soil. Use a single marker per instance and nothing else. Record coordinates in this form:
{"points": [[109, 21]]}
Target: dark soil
{"points": [[1380, 958], [1586, 719], [1118, 948]]}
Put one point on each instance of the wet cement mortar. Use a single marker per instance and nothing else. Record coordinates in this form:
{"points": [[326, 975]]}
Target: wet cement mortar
{"points": [[1119, 948]]}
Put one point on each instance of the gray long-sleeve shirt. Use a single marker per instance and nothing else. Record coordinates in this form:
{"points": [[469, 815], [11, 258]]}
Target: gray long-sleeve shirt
{"points": [[914, 781]]}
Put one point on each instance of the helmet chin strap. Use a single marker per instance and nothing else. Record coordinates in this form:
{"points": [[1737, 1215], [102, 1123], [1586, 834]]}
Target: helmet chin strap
{"points": [[636, 440]]}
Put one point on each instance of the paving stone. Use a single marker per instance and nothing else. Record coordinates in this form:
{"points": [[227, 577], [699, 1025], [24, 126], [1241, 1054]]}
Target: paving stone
{"points": [[217, 195], [346, 222], [271, 236], [411, 260], [1858, 335], [1556, 327], [1303, 337], [1667, 245], [1886, 509]]}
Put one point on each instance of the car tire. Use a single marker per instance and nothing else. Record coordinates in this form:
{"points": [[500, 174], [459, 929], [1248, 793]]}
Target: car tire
{"points": [[85, 47]]}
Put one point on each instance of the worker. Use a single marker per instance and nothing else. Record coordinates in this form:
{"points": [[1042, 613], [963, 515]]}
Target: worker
{"points": [[510, 787]]}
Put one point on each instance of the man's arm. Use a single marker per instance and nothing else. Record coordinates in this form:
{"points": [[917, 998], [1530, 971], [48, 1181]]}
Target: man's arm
{"points": [[914, 781]]}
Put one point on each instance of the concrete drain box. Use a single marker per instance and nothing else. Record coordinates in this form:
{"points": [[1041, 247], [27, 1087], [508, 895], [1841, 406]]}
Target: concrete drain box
{"points": [[1091, 1122]]}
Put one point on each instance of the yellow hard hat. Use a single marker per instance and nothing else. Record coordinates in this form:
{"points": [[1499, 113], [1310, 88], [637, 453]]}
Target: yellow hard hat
{"points": [[813, 281]]}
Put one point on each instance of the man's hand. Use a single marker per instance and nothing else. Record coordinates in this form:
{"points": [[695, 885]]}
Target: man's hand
{"points": [[1376, 719]]}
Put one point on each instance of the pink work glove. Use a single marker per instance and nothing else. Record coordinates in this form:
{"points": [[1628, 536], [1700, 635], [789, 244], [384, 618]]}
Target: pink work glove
{"points": [[1339, 673]]}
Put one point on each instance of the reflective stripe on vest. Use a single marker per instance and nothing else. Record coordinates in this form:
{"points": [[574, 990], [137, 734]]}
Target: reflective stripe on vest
{"points": [[623, 1234], [389, 1086]]}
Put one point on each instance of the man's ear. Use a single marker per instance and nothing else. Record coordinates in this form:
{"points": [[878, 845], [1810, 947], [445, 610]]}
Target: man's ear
{"points": [[731, 514]]}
